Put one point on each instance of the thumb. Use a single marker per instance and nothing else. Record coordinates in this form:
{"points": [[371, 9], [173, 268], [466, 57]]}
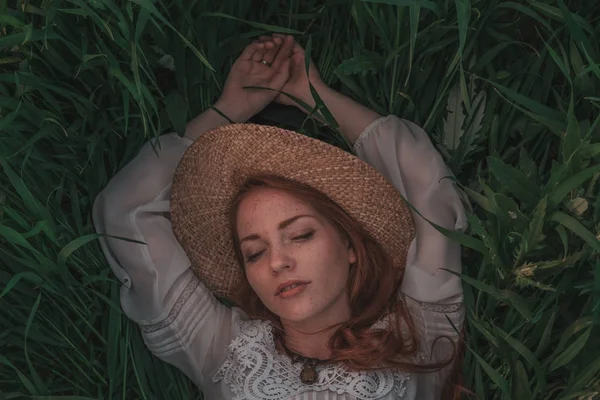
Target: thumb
{"points": [[282, 75]]}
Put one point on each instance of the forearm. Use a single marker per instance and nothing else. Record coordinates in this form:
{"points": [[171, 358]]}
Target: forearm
{"points": [[352, 117], [210, 119]]}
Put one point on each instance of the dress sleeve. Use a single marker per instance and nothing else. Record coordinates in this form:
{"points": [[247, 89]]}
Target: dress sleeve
{"points": [[181, 322], [403, 153]]}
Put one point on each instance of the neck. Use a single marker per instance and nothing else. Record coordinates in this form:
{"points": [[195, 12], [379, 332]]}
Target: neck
{"points": [[310, 338]]}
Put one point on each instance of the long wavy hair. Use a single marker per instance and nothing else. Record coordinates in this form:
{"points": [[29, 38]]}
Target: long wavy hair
{"points": [[374, 289]]}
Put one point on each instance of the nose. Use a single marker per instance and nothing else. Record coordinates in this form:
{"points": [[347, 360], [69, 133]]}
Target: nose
{"points": [[280, 260]]}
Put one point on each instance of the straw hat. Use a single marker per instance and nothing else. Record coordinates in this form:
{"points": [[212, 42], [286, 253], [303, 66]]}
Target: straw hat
{"points": [[216, 165]]}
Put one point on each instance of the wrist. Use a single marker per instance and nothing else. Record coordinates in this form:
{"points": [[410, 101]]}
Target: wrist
{"points": [[233, 111], [322, 90]]}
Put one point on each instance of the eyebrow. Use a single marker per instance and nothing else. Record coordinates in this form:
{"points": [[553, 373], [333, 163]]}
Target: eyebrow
{"points": [[282, 225]]}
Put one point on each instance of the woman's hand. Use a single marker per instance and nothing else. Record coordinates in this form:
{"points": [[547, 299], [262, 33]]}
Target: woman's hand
{"points": [[297, 85], [351, 117], [241, 104]]}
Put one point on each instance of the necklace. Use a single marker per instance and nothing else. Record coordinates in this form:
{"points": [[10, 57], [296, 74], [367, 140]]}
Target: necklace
{"points": [[309, 373]]}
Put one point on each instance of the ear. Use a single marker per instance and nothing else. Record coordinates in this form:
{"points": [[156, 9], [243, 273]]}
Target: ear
{"points": [[351, 253]]}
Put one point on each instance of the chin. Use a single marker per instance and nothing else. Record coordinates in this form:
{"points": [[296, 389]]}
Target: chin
{"points": [[294, 314], [295, 317]]}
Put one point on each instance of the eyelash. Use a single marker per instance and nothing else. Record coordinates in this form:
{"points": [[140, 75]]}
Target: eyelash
{"points": [[307, 236]]}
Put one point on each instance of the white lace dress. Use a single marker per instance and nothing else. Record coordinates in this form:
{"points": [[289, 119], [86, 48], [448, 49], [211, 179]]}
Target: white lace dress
{"points": [[231, 357]]}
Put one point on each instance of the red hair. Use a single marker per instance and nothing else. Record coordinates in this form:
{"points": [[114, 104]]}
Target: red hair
{"points": [[373, 287]]}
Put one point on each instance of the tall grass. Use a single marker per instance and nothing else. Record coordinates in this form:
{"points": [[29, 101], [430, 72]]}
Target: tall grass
{"points": [[508, 90]]}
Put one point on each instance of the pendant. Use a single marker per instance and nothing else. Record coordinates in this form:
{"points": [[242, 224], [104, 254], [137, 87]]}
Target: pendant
{"points": [[309, 374]]}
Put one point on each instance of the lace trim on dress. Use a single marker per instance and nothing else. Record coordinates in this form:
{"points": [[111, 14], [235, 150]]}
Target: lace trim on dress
{"points": [[440, 308], [255, 370], [455, 305], [179, 303]]}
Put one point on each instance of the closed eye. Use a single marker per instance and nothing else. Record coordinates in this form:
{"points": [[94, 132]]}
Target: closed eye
{"points": [[306, 236], [253, 257]]}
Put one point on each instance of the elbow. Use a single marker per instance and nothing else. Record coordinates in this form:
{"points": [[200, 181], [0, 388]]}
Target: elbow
{"points": [[108, 210]]}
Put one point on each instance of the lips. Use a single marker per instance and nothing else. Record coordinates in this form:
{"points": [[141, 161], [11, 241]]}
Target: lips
{"points": [[295, 290], [285, 285]]}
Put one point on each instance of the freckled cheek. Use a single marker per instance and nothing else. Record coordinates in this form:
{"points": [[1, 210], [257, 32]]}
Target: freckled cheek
{"points": [[262, 285], [256, 283]]}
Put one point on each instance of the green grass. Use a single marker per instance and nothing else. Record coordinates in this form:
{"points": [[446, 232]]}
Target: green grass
{"points": [[509, 91]]}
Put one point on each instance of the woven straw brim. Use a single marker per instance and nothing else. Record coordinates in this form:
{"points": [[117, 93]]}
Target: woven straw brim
{"points": [[217, 164]]}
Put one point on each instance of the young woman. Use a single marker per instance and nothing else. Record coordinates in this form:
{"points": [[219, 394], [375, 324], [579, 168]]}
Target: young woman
{"points": [[341, 290]]}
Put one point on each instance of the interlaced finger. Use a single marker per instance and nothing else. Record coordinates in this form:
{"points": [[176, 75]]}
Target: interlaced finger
{"points": [[249, 51], [272, 47], [285, 50], [259, 53]]}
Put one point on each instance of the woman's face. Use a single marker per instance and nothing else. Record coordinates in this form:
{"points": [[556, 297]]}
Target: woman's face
{"points": [[285, 240]]}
